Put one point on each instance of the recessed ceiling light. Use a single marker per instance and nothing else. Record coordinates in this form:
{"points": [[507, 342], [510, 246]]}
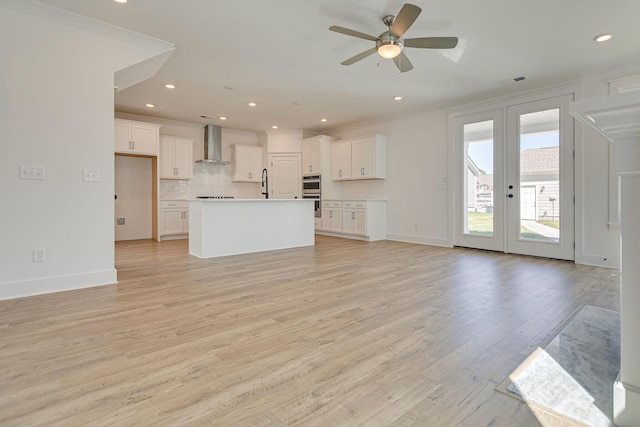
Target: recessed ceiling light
{"points": [[252, 104], [121, 1], [274, 127], [150, 105], [397, 98], [170, 86], [323, 120], [223, 118], [602, 37]]}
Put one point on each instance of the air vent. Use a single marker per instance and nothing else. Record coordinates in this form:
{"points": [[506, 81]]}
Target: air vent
{"points": [[120, 221], [519, 79]]}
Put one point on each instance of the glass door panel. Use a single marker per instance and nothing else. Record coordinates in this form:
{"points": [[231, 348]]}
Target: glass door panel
{"points": [[479, 171], [539, 139], [540, 178]]}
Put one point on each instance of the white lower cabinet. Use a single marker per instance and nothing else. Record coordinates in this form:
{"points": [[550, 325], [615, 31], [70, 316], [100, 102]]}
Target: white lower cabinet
{"points": [[356, 219], [174, 219], [332, 216]]}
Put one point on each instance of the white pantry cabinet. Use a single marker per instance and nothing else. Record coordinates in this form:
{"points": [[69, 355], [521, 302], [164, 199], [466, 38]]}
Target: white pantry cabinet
{"points": [[247, 163], [174, 219], [176, 158], [359, 158], [354, 219], [136, 137]]}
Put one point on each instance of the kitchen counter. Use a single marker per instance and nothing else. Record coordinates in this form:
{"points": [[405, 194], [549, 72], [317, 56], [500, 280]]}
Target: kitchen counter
{"points": [[221, 227]]}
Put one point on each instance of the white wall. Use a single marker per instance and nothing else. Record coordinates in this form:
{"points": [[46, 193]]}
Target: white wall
{"points": [[417, 160], [56, 112]]}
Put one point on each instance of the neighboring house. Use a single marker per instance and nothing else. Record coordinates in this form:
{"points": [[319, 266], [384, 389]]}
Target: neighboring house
{"points": [[539, 183], [479, 189], [472, 184]]}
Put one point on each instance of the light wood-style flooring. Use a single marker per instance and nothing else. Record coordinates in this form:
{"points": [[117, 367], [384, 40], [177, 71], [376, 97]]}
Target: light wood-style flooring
{"points": [[345, 333]]}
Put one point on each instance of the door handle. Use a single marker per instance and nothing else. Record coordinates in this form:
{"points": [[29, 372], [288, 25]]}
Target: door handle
{"points": [[510, 196]]}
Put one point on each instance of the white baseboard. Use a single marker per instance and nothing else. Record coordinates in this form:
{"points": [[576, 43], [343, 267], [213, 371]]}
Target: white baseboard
{"points": [[49, 285], [626, 405], [598, 261], [432, 241]]}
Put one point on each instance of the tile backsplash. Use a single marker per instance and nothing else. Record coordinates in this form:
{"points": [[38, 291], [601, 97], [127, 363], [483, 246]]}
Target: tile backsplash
{"points": [[208, 180]]}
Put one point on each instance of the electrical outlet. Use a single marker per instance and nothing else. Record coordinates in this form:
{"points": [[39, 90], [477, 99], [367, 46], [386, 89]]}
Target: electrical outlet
{"points": [[38, 255], [91, 175], [415, 226], [121, 221], [31, 172]]}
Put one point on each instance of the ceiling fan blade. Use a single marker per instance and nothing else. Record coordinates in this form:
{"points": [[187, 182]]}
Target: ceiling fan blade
{"points": [[359, 56], [352, 33], [403, 63], [432, 42], [405, 18]]}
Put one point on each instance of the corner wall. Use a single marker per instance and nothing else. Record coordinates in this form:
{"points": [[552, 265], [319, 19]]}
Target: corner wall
{"points": [[56, 112]]}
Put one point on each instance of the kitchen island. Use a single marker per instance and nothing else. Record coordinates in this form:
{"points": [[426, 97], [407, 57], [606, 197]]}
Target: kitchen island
{"points": [[220, 227]]}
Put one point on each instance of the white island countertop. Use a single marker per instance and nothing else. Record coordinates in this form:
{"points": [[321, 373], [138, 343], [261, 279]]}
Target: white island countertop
{"points": [[220, 227]]}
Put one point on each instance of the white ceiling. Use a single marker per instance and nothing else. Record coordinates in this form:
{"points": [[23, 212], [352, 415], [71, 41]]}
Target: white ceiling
{"points": [[281, 55]]}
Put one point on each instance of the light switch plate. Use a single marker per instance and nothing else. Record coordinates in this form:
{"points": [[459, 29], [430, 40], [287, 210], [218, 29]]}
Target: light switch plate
{"points": [[91, 175], [31, 172]]}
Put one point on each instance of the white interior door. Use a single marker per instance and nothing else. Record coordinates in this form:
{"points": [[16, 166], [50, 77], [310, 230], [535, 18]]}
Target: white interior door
{"points": [[514, 179], [286, 173]]}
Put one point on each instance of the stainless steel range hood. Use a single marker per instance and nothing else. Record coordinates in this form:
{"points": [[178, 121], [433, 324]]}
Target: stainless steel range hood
{"points": [[213, 146]]}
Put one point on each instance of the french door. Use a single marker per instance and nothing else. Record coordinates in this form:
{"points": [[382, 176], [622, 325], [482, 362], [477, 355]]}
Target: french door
{"points": [[515, 178]]}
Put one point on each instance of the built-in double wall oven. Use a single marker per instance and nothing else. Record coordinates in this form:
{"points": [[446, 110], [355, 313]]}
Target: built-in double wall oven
{"points": [[311, 189]]}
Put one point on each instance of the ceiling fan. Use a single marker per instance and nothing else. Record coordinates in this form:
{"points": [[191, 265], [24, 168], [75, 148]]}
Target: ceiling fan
{"points": [[390, 43]]}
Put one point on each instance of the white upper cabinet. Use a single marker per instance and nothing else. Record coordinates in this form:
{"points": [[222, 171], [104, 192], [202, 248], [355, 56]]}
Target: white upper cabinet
{"points": [[247, 163], [340, 161], [312, 156], [359, 158], [136, 137], [176, 158]]}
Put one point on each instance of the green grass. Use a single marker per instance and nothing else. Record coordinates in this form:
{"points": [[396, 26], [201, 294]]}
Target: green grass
{"points": [[481, 224]]}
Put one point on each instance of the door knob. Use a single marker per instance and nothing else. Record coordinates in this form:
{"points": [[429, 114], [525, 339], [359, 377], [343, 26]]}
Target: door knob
{"points": [[510, 196]]}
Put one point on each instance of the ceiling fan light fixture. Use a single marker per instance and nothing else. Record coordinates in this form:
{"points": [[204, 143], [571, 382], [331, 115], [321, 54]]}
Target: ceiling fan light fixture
{"points": [[389, 46], [389, 51]]}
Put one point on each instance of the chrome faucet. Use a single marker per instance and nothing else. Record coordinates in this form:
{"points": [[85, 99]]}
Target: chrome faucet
{"points": [[265, 183]]}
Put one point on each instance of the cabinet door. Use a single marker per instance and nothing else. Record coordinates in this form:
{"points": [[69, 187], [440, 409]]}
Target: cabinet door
{"points": [[184, 158], [255, 163], [341, 161], [172, 221], [332, 220], [359, 221], [307, 157], [363, 159], [248, 164], [145, 139], [122, 143], [167, 158]]}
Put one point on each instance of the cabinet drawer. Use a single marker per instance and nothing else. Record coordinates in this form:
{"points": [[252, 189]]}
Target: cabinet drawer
{"points": [[331, 204], [354, 204], [174, 204]]}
